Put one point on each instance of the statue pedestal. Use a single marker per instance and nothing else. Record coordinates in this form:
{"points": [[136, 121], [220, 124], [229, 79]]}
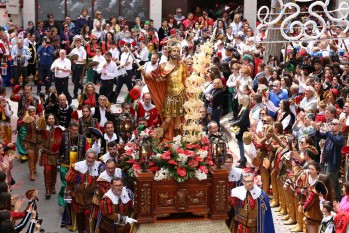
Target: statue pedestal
{"points": [[219, 192], [143, 196], [206, 198]]}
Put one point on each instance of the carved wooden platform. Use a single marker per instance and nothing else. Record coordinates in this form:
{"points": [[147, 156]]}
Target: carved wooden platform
{"points": [[207, 198]]}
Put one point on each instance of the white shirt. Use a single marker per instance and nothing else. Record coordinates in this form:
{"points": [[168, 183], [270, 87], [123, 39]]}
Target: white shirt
{"points": [[126, 57], [148, 67], [81, 52], [115, 53], [112, 139], [143, 56], [64, 64], [103, 118], [163, 59], [109, 72], [100, 59]]}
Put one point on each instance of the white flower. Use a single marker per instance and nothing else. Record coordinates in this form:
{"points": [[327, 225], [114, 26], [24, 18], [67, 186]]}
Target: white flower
{"points": [[161, 174], [127, 148], [182, 158], [200, 175], [157, 156], [143, 133], [177, 139], [202, 153]]}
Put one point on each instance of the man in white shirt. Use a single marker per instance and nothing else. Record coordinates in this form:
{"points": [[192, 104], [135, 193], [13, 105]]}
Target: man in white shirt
{"points": [[61, 68], [101, 60], [78, 66], [149, 67], [108, 71], [142, 55], [126, 61]]}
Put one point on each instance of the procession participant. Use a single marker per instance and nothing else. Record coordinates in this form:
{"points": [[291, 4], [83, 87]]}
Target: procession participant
{"points": [[309, 153], [32, 126], [63, 111], [102, 112], [102, 186], [81, 182], [147, 110], [141, 127], [311, 205], [253, 213], [72, 150], [234, 180], [124, 133], [116, 208], [25, 100], [96, 141], [277, 174], [51, 142], [112, 153], [61, 69], [264, 153], [6, 114], [108, 70], [89, 97], [107, 137], [79, 65], [87, 121]]}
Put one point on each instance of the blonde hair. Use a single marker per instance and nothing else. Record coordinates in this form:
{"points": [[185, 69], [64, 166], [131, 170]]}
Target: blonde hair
{"points": [[246, 101], [246, 70], [97, 13], [86, 85], [220, 84]]}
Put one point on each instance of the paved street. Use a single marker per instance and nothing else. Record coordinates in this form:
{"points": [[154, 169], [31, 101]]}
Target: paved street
{"points": [[49, 210]]}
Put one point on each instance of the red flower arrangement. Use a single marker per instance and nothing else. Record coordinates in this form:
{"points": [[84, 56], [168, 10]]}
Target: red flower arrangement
{"points": [[177, 160]]}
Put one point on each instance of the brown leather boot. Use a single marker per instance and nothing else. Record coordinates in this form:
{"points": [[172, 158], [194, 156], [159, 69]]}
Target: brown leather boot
{"points": [[297, 228], [53, 178], [278, 209], [31, 164], [47, 179], [282, 212], [274, 204], [290, 222]]}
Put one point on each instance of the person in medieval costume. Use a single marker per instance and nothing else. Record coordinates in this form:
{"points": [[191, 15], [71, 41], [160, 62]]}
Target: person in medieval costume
{"points": [[72, 150], [103, 185], [81, 183], [252, 209], [116, 208], [51, 142], [24, 100], [32, 127], [5, 114], [147, 110], [86, 122]]}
